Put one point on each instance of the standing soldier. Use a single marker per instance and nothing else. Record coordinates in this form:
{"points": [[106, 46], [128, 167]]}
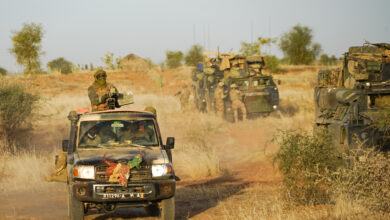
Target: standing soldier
{"points": [[235, 96], [103, 95], [184, 96], [220, 96]]}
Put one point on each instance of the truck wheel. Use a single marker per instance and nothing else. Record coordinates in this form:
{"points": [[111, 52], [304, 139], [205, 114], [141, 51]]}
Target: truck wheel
{"points": [[167, 209], [75, 208]]}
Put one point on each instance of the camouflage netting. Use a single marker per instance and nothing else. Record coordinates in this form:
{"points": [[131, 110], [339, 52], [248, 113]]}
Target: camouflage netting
{"points": [[134, 63]]}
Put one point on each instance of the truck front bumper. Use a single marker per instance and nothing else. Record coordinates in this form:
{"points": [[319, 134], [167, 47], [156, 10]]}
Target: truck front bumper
{"points": [[142, 191]]}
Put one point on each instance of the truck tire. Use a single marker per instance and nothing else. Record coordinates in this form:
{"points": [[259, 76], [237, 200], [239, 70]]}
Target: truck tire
{"points": [[167, 209], [75, 208]]}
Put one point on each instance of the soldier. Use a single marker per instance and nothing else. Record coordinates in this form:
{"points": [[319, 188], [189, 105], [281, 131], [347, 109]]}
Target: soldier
{"points": [[103, 95], [220, 96], [235, 97], [92, 137], [184, 96]]}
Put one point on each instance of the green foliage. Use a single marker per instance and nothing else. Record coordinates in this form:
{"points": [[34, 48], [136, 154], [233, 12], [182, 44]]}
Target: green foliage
{"points": [[27, 47], [194, 56], [173, 59], [3, 71], [16, 110], [327, 60], [297, 45], [91, 67], [61, 65], [249, 49], [108, 59], [305, 162], [272, 63]]}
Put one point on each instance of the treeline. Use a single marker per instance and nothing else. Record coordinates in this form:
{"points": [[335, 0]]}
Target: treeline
{"points": [[296, 44]]}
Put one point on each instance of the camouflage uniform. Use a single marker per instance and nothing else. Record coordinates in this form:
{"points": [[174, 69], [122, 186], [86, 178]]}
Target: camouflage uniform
{"points": [[219, 96], [184, 97], [98, 92], [235, 97]]}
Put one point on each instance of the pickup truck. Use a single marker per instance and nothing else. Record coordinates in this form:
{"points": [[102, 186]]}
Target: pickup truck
{"points": [[116, 158]]}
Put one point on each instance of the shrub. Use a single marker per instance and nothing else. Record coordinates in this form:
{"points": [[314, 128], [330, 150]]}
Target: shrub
{"points": [[328, 61], [16, 111], [3, 71], [305, 162], [272, 63], [365, 178], [194, 55], [173, 59], [61, 65]]}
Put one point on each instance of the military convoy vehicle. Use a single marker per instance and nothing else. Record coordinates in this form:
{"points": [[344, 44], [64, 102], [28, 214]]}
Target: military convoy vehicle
{"points": [[353, 101], [116, 158], [260, 93]]}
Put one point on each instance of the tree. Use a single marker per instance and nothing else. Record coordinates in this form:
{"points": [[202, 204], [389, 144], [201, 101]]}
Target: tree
{"points": [[173, 59], [328, 61], [3, 71], [61, 65], [27, 47], [297, 45], [194, 55], [108, 59], [249, 49]]}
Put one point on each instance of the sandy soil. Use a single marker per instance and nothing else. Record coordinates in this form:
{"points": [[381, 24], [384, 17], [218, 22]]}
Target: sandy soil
{"points": [[246, 161]]}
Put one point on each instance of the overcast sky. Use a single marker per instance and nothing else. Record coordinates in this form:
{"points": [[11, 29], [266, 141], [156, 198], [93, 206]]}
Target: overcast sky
{"points": [[83, 31]]}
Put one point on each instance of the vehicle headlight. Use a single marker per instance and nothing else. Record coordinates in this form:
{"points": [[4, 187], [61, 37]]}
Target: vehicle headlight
{"points": [[161, 170], [275, 107], [368, 84], [84, 172]]}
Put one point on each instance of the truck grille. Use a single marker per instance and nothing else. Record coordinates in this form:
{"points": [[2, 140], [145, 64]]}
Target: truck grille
{"points": [[136, 175]]}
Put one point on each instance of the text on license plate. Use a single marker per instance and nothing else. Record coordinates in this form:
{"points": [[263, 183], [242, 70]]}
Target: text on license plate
{"points": [[122, 195]]}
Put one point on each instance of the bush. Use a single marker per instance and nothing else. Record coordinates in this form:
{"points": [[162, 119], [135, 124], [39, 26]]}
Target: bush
{"points": [[272, 63], [16, 110], [328, 61], [173, 59], [365, 178], [305, 162], [3, 71], [194, 56], [61, 65]]}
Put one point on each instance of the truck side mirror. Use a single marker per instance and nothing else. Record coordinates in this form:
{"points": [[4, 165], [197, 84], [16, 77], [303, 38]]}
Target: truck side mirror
{"points": [[279, 82], [65, 144], [170, 144]]}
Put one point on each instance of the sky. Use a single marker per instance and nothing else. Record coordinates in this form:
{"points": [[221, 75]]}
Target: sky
{"points": [[83, 31]]}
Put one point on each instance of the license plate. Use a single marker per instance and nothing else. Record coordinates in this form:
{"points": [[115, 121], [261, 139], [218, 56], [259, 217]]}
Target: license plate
{"points": [[122, 195]]}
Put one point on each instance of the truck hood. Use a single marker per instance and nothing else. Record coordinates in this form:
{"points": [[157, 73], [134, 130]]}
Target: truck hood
{"points": [[95, 156]]}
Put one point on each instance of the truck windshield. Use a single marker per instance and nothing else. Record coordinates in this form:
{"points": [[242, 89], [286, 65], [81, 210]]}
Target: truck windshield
{"points": [[119, 133]]}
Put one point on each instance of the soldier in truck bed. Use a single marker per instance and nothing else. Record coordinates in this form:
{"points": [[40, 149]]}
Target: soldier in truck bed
{"points": [[101, 92]]}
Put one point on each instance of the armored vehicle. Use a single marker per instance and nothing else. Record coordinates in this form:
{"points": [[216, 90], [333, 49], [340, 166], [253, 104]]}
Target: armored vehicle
{"points": [[353, 101], [116, 158], [260, 93]]}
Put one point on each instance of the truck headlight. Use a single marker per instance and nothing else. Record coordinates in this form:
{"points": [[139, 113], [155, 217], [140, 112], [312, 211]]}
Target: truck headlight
{"points": [[161, 170], [84, 172], [275, 107]]}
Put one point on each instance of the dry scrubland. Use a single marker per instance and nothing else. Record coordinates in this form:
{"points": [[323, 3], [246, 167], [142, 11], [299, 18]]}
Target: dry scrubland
{"points": [[226, 169]]}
